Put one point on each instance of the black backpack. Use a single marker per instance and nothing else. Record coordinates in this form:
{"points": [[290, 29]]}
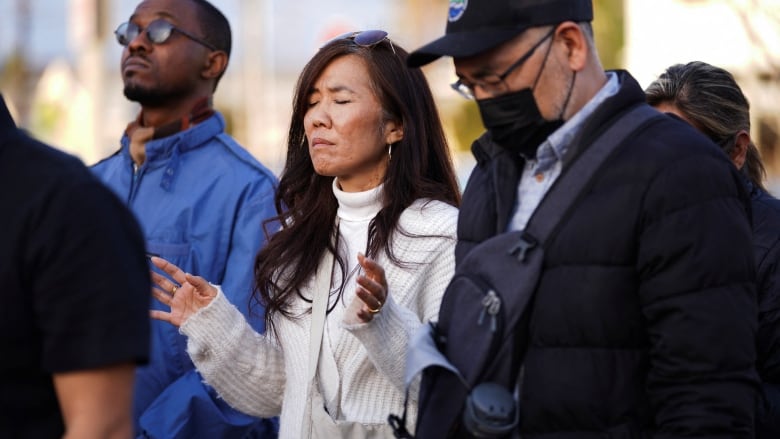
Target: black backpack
{"points": [[483, 321]]}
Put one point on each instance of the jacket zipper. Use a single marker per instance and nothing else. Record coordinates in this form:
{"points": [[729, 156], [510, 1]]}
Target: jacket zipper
{"points": [[134, 181]]}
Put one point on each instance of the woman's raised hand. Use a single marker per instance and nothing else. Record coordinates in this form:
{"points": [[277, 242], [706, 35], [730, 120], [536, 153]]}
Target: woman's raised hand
{"points": [[185, 296], [371, 292]]}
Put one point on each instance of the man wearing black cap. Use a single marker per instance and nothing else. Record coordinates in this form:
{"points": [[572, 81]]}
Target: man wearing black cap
{"points": [[643, 319]]}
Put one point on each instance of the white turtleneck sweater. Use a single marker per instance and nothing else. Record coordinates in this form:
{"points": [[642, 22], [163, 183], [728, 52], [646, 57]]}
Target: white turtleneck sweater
{"points": [[267, 376]]}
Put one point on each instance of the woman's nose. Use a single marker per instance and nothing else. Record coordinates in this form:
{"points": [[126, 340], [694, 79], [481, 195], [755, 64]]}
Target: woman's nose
{"points": [[318, 116]]}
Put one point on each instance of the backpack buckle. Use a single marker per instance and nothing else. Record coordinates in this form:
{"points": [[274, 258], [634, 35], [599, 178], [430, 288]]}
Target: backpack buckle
{"points": [[523, 246]]}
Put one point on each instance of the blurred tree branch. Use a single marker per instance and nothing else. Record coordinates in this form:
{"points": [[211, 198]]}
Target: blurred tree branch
{"points": [[747, 15]]}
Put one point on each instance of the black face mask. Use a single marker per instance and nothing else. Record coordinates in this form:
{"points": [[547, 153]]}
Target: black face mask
{"points": [[515, 123]]}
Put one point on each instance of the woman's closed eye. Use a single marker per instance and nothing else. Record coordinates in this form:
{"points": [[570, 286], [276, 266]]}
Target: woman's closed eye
{"points": [[335, 101]]}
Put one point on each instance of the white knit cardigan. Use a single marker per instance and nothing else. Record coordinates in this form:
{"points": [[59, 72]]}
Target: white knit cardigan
{"points": [[267, 376]]}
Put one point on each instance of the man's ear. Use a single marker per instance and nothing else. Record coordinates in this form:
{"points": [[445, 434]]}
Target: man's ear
{"points": [[739, 152], [576, 43], [394, 131], [215, 63]]}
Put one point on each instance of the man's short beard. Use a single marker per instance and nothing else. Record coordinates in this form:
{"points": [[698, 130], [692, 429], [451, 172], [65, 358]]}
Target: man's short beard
{"points": [[145, 96], [155, 97]]}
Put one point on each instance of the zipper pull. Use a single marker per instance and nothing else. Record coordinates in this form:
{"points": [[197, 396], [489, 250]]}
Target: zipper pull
{"points": [[491, 304]]}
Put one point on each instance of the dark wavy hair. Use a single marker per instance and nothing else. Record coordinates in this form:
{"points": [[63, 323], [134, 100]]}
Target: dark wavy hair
{"points": [[420, 168], [711, 98]]}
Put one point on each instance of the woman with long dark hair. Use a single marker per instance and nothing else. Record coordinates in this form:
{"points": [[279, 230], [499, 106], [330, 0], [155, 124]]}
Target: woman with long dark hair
{"points": [[367, 208]]}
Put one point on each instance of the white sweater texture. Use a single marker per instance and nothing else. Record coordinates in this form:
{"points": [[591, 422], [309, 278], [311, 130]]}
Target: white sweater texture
{"points": [[266, 376]]}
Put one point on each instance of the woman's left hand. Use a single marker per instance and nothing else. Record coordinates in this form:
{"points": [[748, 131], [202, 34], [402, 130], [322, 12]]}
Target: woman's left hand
{"points": [[371, 292], [185, 299]]}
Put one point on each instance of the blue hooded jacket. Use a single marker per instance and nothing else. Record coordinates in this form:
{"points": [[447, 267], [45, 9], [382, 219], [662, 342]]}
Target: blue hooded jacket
{"points": [[201, 200]]}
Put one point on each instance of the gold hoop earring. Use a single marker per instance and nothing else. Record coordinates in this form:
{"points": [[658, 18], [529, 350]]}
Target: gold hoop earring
{"points": [[389, 151]]}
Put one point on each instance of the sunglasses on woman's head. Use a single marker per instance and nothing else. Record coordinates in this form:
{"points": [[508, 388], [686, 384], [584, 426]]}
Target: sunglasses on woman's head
{"points": [[158, 32], [365, 38]]}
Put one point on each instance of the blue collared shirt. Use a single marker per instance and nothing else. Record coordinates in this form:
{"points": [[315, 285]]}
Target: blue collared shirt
{"points": [[536, 181]]}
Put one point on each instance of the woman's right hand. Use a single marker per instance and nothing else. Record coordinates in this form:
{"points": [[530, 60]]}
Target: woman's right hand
{"points": [[185, 298]]}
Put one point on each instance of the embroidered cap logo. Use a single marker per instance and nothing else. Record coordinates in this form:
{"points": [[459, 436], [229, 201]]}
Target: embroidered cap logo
{"points": [[457, 8]]}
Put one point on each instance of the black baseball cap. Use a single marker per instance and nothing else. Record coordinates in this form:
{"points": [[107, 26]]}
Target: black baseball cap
{"points": [[474, 26]]}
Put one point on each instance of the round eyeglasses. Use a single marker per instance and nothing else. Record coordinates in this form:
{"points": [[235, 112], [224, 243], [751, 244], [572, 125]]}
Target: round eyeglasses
{"points": [[494, 84], [158, 32]]}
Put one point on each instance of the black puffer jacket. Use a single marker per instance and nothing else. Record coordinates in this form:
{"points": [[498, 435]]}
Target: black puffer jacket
{"points": [[645, 317], [766, 244], [766, 241]]}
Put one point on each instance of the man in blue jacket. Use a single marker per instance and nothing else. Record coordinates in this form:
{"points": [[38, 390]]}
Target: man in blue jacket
{"points": [[200, 197]]}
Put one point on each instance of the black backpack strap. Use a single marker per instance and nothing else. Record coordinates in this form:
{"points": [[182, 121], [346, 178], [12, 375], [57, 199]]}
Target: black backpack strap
{"points": [[557, 204], [573, 181]]}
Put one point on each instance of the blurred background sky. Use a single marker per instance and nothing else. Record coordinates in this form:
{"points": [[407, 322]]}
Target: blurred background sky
{"points": [[60, 61], [50, 29]]}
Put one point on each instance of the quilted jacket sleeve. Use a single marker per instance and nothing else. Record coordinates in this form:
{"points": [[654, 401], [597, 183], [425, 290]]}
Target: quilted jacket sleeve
{"points": [[698, 296]]}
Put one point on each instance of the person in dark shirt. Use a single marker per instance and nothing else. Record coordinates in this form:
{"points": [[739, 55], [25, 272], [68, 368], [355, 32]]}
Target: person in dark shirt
{"points": [[74, 318]]}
